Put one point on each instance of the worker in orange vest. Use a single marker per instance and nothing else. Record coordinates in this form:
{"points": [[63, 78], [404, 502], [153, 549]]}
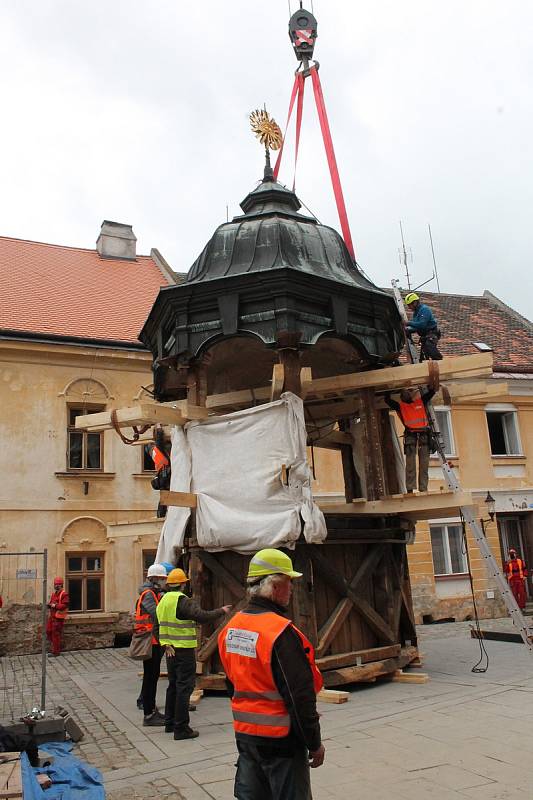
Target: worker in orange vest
{"points": [[273, 682], [58, 611], [417, 434], [146, 620], [157, 450], [516, 572]]}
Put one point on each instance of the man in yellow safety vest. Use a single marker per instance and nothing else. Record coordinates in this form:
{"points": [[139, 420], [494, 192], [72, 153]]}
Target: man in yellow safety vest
{"points": [[177, 615]]}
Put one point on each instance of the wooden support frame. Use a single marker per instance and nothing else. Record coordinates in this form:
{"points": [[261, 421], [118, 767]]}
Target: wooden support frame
{"points": [[180, 499], [350, 598], [478, 365], [142, 414], [424, 505]]}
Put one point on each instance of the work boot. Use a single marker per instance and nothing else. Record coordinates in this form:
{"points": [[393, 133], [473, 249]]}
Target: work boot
{"points": [[185, 733], [140, 702], [154, 719]]}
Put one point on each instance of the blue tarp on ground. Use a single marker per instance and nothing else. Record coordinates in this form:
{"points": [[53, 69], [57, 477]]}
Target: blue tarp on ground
{"points": [[72, 779]]}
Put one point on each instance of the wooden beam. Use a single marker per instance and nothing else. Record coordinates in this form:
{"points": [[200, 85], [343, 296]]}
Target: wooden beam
{"points": [[347, 591], [240, 399], [180, 499], [424, 505], [367, 673], [479, 364], [306, 380], [358, 657], [333, 696], [278, 379], [142, 414], [399, 377], [406, 677]]}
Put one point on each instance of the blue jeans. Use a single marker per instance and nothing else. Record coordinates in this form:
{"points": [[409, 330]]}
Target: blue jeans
{"points": [[265, 773]]}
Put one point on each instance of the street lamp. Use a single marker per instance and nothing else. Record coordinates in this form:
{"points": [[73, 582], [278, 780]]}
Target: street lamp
{"points": [[491, 506]]}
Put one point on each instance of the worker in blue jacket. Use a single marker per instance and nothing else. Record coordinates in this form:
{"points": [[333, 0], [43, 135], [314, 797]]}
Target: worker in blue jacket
{"points": [[424, 323]]}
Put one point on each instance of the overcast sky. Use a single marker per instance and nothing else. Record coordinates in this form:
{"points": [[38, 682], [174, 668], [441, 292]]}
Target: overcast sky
{"points": [[137, 112]]}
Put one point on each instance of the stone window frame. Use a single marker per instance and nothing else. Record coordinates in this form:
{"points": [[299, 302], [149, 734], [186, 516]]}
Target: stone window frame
{"points": [[445, 525], [84, 409], [86, 535], [509, 414], [85, 574]]}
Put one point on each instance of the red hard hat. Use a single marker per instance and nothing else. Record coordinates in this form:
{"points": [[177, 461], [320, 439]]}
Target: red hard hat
{"points": [[58, 581]]}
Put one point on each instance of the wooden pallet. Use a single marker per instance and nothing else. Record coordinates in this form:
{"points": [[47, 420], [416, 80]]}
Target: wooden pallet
{"points": [[10, 776]]}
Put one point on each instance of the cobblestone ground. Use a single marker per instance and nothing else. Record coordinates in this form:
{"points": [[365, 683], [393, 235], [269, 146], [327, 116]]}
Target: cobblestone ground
{"points": [[103, 745], [442, 739]]}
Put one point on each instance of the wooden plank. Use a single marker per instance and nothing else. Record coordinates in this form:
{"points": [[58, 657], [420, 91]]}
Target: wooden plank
{"points": [[371, 617], [358, 656], [367, 673], [398, 377], [333, 696], [430, 505], [406, 677], [480, 364], [180, 499], [196, 696], [143, 414], [215, 681], [10, 775], [332, 626], [239, 399], [466, 390], [306, 379], [278, 379]]}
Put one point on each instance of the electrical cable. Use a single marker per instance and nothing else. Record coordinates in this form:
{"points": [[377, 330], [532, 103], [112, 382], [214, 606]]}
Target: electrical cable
{"points": [[483, 655]]}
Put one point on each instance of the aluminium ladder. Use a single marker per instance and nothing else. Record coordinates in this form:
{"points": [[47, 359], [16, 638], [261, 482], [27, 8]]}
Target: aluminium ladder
{"points": [[526, 632]]}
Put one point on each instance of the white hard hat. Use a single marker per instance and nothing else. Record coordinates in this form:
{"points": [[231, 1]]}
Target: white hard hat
{"points": [[156, 571]]}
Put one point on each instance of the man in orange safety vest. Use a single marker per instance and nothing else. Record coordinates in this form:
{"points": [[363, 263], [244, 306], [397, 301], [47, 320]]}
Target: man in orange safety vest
{"points": [[273, 682], [417, 435], [516, 572]]}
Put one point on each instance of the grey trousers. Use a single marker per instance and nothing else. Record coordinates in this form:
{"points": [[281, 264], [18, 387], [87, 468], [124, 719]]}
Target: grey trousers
{"points": [[413, 442], [263, 773]]}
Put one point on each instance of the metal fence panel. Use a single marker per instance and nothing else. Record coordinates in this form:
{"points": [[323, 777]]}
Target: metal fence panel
{"points": [[23, 614]]}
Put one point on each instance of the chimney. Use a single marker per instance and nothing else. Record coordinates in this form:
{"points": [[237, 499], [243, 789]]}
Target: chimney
{"points": [[116, 241]]}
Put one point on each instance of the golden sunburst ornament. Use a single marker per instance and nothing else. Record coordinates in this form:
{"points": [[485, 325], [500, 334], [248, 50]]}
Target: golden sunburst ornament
{"points": [[266, 129]]}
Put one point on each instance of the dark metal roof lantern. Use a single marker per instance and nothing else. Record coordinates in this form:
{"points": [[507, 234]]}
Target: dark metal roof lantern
{"points": [[272, 278]]}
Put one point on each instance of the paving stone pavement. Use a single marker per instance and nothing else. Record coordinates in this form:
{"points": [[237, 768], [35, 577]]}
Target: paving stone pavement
{"points": [[459, 736]]}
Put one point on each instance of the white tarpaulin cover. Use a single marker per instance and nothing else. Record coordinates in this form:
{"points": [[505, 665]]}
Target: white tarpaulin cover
{"points": [[234, 464]]}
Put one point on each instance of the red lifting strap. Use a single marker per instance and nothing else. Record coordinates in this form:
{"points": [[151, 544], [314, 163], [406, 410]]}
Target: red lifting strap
{"points": [[295, 91], [332, 161], [298, 92]]}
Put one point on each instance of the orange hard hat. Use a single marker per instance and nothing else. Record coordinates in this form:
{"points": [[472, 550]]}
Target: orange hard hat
{"points": [[176, 577]]}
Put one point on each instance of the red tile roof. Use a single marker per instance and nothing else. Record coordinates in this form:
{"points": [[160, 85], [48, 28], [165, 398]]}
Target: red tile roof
{"points": [[464, 319], [72, 292]]}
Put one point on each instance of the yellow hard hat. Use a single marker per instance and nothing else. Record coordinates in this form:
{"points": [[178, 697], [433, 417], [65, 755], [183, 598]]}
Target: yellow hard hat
{"points": [[271, 562], [176, 576], [410, 298]]}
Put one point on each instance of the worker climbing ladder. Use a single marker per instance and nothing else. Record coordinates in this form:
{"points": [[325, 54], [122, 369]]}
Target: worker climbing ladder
{"points": [[467, 512]]}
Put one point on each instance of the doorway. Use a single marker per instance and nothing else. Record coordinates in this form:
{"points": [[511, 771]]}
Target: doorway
{"points": [[512, 536]]}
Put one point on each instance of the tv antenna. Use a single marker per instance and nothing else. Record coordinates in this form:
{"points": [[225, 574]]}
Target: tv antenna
{"points": [[406, 256]]}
